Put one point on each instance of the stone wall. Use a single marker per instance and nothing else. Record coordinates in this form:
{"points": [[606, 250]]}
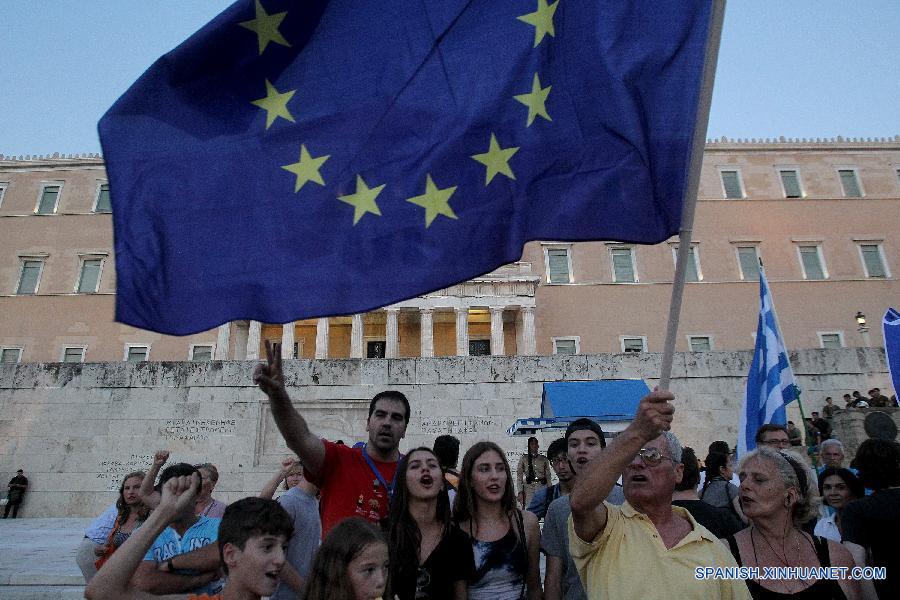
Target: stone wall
{"points": [[77, 428], [849, 426]]}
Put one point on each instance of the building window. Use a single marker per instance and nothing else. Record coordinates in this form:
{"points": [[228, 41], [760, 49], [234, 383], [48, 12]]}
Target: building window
{"points": [[29, 277], [376, 349], [3, 186], [89, 278], [558, 262], [811, 261], [479, 347], [731, 183], [623, 265], [850, 183], [73, 354], [831, 339], [748, 262], [137, 353], [101, 202], [566, 345], [48, 200], [700, 343], [790, 183], [633, 343], [873, 260], [10, 355], [200, 352], [692, 272]]}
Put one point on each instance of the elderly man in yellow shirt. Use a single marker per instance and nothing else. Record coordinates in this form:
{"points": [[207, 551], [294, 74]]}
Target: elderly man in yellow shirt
{"points": [[645, 548]]}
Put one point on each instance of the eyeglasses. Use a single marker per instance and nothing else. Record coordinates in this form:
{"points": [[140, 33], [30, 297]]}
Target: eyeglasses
{"points": [[652, 456], [778, 443], [558, 460]]}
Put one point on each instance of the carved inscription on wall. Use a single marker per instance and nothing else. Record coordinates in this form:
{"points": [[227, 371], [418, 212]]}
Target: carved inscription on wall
{"points": [[111, 472], [459, 425], [332, 420], [196, 429]]}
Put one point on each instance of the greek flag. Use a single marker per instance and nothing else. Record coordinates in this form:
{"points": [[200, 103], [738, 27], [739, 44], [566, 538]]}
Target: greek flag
{"points": [[770, 383]]}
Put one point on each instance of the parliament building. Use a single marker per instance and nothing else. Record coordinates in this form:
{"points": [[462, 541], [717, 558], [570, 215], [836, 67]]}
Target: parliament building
{"points": [[823, 216]]}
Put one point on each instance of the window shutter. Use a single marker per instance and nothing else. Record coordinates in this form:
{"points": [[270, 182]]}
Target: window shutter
{"points": [[791, 184], [558, 260]]}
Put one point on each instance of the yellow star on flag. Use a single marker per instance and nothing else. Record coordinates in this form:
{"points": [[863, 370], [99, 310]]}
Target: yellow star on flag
{"points": [[266, 27], [542, 20], [434, 201], [496, 159], [275, 104], [363, 201], [536, 101], [307, 168]]}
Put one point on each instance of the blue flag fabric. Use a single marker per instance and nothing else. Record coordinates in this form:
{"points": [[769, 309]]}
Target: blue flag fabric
{"points": [[770, 383], [891, 329], [293, 160]]}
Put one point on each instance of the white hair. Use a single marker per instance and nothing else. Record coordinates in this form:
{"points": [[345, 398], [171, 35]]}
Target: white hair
{"points": [[832, 442], [788, 464], [672, 445]]}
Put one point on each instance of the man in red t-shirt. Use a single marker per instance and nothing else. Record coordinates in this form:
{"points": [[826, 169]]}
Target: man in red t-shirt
{"points": [[352, 481]]}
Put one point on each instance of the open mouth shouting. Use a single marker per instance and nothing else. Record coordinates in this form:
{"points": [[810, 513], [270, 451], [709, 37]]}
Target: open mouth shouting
{"points": [[494, 488]]}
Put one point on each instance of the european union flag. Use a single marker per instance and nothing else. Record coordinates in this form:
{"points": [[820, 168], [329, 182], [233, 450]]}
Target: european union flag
{"points": [[302, 159]]}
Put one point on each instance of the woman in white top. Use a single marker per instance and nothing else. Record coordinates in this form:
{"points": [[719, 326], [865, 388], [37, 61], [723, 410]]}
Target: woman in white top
{"points": [[837, 487]]}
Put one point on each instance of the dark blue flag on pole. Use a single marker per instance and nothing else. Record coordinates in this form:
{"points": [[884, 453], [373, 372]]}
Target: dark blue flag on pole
{"points": [[891, 329], [301, 159]]}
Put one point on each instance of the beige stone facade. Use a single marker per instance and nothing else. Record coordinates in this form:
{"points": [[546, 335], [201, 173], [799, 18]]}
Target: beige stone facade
{"points": [[821, 214], [77, 429]]}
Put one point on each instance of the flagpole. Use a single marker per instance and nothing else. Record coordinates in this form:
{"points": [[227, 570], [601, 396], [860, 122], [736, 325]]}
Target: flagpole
{"points": [[711, 57]]}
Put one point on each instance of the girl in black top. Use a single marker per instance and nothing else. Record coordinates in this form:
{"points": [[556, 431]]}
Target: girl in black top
{"points": [[431, 559]]}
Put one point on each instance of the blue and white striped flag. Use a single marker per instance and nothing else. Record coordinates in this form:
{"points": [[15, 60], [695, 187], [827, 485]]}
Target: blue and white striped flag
{"points": [[770, 383]]}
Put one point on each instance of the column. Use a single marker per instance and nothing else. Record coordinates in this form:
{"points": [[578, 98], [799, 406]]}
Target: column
{"points": [[240, 331], [322, 338], [426, 331], [391, 337], [462, 331], [253, 341], [287, 340], [528, 346], [497, 331], [356, 336], [222, 341]]}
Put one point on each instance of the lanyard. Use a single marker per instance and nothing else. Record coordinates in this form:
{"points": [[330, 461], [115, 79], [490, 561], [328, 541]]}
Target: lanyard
{"points": [[390, 489]]}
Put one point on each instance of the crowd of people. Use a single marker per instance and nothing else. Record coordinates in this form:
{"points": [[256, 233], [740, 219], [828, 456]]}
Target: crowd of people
{"points": [[637, 517]]}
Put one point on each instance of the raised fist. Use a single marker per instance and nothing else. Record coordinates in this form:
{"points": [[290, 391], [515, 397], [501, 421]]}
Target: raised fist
{"points": [[160, 457], [179, 493], [654, 415]]}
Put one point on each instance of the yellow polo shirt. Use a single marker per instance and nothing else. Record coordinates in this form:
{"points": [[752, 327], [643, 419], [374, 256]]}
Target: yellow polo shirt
{"points": [[628, 559]]}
